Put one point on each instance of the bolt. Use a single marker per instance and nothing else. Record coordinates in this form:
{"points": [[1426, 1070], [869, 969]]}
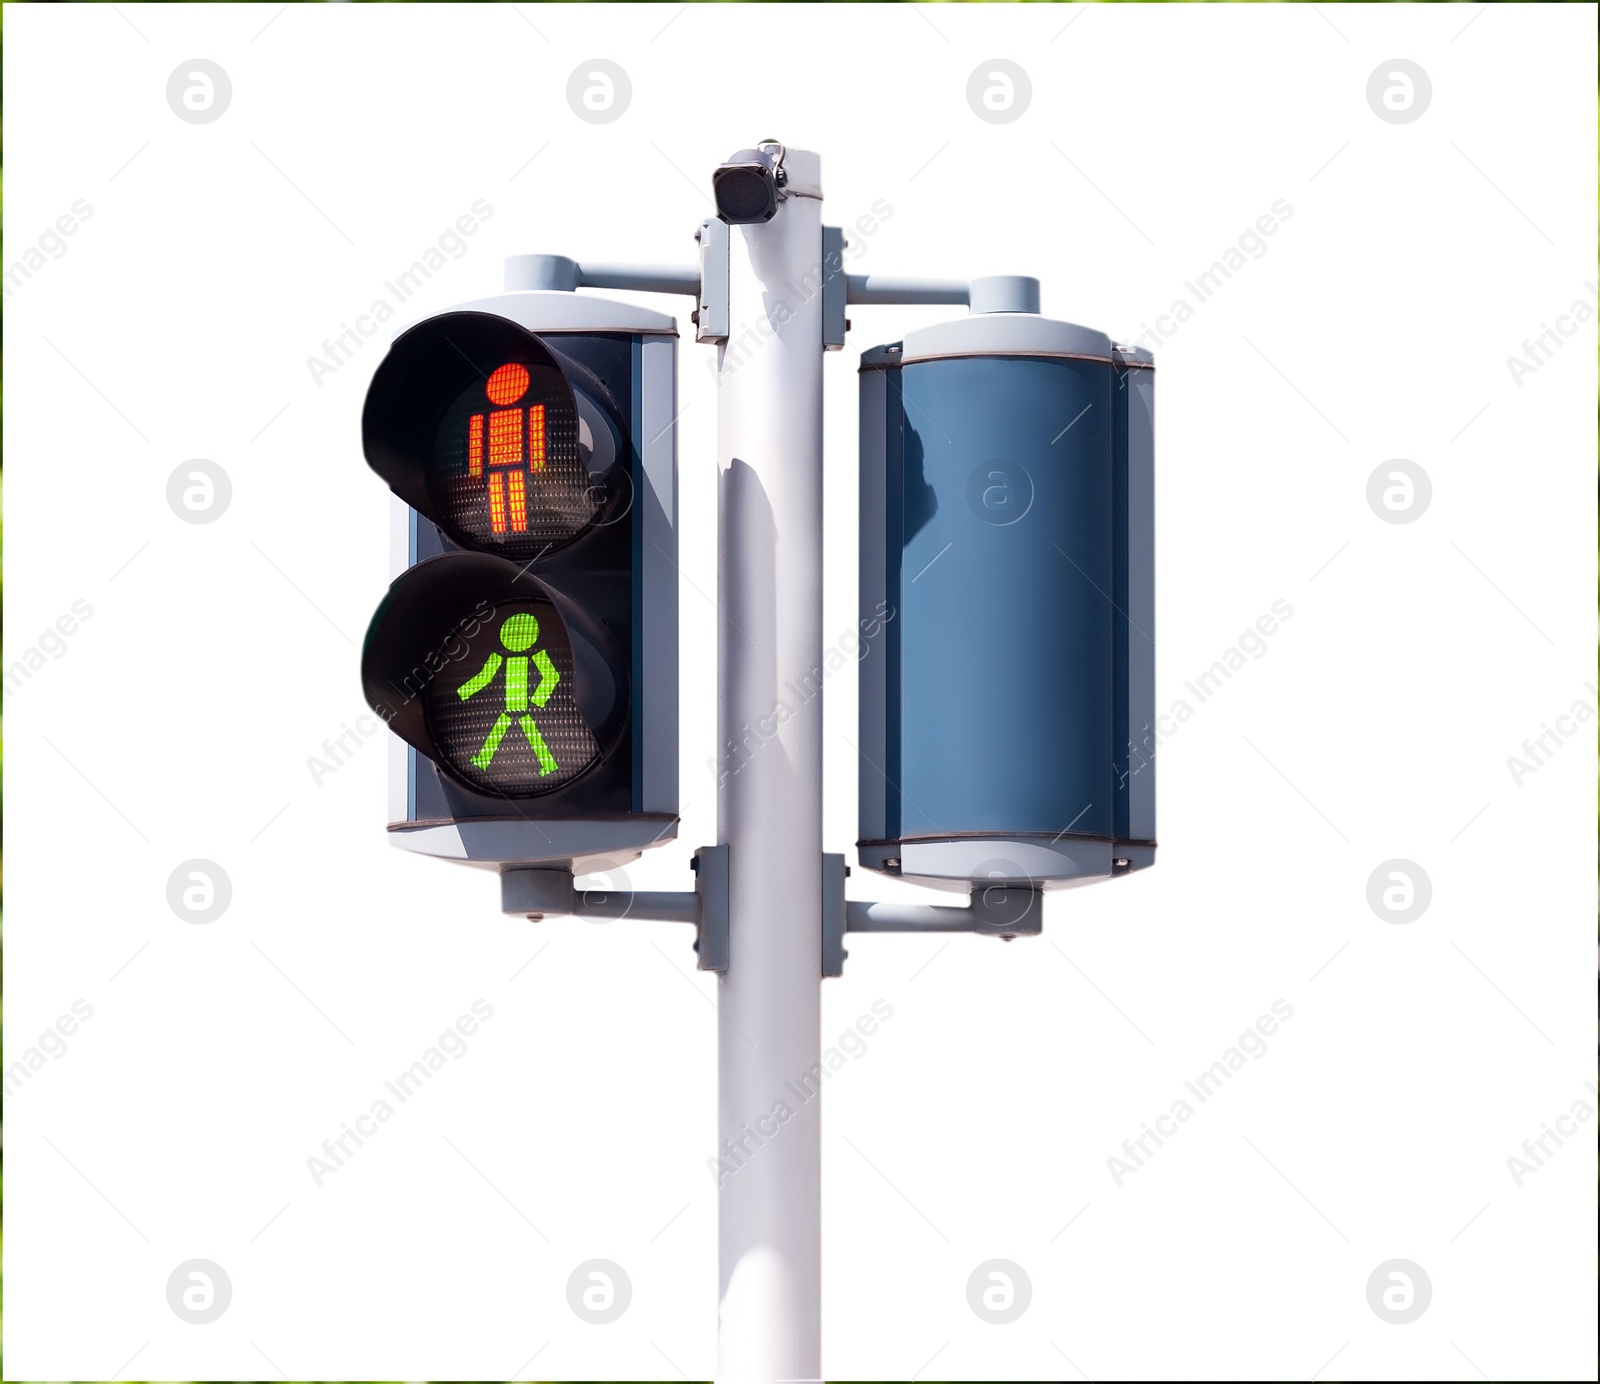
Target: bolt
{"points": [[695, 317]]}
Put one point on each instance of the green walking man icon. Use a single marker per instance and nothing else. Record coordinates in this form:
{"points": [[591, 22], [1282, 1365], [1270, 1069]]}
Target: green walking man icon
{"points": [[518, 633]]}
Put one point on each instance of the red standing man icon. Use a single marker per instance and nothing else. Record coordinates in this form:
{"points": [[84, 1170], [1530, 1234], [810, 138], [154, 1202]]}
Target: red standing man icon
{"points": [[515, 447]]}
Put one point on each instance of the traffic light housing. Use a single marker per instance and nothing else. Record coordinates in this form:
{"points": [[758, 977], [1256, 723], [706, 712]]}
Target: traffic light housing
{"points": [[1007, 604], [525, 654]]}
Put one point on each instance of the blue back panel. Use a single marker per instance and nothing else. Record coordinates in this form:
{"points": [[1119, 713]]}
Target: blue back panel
{"points": [[1001, 570]]}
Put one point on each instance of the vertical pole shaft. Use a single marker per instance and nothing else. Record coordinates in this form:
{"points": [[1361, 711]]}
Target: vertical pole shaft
{"points": [[769, 431]]}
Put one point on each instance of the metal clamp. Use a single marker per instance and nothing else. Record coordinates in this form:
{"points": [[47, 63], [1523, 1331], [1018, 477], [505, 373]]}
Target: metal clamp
{"points": [[543, 893], [834, 283], [834, 871], [711, 315], [995, 910]]}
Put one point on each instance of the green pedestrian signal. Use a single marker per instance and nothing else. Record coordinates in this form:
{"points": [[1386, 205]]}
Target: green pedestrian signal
{"points": [[504, 708], [518, 633]]}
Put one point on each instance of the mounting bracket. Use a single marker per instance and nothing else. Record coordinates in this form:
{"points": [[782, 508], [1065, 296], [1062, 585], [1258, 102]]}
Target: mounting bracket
{"points": [[995, 910], [543, 893]]}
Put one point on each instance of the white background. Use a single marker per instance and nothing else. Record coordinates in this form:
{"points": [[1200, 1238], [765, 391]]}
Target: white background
{"points": [[179, 720]]}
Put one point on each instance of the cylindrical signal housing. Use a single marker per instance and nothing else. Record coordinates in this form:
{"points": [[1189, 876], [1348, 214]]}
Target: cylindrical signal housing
{"points": [[1008, 605]]}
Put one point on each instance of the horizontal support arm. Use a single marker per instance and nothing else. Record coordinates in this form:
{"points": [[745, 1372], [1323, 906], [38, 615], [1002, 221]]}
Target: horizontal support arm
{"points": [[561, 274], [890, 288], [706, 282], [641, 278], [648, 907], [996, 910], [992, 293], [860, 916]]}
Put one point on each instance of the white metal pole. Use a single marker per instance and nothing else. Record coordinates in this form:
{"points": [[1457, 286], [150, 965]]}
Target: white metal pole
{"points": [[769, 441]]}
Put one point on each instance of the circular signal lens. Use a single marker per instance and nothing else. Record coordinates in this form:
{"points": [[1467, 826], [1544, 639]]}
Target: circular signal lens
{"points": [[501, 707], [506, 469]]}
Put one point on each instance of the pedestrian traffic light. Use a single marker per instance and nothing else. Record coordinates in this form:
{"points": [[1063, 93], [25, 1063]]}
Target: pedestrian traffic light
{"points": [[526, 652], [1008, 603]]}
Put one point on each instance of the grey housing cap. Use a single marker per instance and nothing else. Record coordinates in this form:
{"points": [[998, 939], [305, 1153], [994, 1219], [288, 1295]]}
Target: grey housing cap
{"points": [[554, 311], [1005, 334]]}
